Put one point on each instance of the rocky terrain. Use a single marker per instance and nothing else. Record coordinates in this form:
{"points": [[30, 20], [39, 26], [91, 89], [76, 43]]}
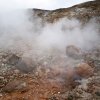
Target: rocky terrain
{"points": [[27, 79], [83, 12]]}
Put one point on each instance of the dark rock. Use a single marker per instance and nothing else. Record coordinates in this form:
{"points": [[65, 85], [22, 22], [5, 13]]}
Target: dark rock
{"points": [[73, 51], [13, 60], [84, 70], [97, 93], [26, 65], [70, 97], [15, 86]]}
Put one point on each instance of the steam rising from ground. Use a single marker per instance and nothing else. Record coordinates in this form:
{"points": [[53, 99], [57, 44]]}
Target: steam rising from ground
{"points": [[69, 32], [18, 32], [46, 43]]}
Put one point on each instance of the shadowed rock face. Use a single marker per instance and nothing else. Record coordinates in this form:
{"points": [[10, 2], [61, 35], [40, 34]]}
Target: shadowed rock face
{"points": [[83, 12]]}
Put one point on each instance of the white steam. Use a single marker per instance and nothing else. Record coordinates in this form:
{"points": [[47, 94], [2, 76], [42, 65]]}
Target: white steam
{"points": [[21, 32], [69, 32], [18, 32]]}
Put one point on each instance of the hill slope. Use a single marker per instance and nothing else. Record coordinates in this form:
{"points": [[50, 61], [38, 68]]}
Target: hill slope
{"points": [[82, 11]]}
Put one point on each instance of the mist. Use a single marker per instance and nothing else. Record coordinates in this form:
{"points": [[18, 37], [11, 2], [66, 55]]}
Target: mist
{"points": [[45, 44], [46, 58], [18, 32]]}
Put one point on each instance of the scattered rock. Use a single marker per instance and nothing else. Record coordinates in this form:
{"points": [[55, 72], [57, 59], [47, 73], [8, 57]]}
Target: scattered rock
{"points": [[13, 60], [73, 51], [15, 86], [1, 78], [26, 65], [16, 71], [97, 93], [84, 70], [1, 95], [70, 97]]}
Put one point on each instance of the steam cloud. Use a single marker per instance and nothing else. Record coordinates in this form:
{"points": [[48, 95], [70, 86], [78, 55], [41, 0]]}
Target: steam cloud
{"points": [[23, 33], [17, 30]]}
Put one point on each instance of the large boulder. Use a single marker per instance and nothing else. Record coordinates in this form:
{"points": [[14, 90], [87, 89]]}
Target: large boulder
{"points": [[26, 65], [84, 70]]}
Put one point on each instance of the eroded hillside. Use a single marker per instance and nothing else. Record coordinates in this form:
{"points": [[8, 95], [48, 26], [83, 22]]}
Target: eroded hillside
{"points": [[59, 72]]}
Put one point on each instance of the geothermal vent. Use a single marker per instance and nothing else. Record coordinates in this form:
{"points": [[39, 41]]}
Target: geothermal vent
{"points": [[51, 54]]}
